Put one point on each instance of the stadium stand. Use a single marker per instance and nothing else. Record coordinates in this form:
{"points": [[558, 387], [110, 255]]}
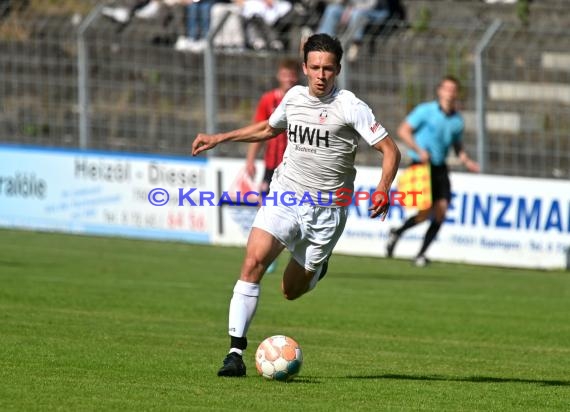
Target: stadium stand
{"points": [[144, 96]]}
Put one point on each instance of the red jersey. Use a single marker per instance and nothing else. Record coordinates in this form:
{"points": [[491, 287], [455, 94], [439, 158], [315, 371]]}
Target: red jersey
{"points": [[274, 148]]}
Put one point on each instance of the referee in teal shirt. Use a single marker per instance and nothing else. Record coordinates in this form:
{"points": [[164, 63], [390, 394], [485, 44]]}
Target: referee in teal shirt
{"points": [[429, 131]]}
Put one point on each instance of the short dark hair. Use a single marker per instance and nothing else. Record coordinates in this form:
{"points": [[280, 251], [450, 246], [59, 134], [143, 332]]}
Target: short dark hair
{"points": [[324, 43], [289, 64], [450, 78]]}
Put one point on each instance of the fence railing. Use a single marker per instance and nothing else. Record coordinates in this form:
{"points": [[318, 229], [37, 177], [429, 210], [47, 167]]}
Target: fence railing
{"points": [[89, 82]]}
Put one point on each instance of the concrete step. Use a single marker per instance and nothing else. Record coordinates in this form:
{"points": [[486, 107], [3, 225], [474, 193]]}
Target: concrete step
{"points": [[542, 13], [512, 156], [523, 91], [555, 61], [504, 122]]}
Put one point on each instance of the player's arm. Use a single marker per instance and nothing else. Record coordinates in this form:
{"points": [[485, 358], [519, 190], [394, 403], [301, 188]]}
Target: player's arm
{"points": [[261, 113], [362, 119], [406, 133], [252, 151], [255, 132], [469, 163], [390, 162]]}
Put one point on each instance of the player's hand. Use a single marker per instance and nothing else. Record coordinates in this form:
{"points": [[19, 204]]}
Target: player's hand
{"points": [[424, 156], [250, 169], [202, 143], [380, 205], [472, 166]]}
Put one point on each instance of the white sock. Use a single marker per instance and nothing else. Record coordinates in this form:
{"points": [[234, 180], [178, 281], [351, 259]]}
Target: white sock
{"points": [[242, 307]]}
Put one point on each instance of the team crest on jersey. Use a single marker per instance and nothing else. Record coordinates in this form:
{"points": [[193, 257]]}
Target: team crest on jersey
{"points": [[323, 116]]}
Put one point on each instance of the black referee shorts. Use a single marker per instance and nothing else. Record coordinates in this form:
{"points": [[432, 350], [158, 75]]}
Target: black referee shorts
{"points": [[440, 183], [267, 181]]}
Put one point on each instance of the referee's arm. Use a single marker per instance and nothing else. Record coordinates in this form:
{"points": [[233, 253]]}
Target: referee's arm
{"points": [[469, 163], [406, 133]]}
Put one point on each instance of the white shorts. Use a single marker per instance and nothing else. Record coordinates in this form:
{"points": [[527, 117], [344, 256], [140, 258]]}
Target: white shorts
{"points": [[309, 232]]}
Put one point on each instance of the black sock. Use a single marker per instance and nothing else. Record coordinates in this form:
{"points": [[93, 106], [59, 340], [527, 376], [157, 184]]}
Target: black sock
{"points": [[430, 236], [411, 222], [238, 343]]}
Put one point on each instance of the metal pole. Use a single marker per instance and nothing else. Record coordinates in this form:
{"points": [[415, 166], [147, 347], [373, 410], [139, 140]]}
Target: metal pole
{"points": [[210, 89], [480, 92], [345, 41], [83, 77]]}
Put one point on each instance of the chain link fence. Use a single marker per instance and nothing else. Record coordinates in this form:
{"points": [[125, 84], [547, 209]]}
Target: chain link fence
{"points": [[133, 91]]}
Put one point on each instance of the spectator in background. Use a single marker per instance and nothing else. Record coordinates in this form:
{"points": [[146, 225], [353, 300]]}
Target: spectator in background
{"points": [[396, 19], [144, 9], [430, 130], [359, 15], [231, 34], [287, 77], [354, 15], [311, 12], [260, 18], [161, 10], [197, 24], [256, 24], [8, 6]]}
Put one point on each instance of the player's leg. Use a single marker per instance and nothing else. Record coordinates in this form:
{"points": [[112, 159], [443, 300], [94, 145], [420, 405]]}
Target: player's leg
{"points": [[272, 267], [262, 249], [439, 208], [412, 221], [321, 228], [296, 280], [395, 234], [264, 189], [441, 194], [273, 228]]}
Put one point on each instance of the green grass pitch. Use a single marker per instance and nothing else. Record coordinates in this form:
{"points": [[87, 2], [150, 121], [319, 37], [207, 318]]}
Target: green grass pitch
{"points": [[90, 323]]}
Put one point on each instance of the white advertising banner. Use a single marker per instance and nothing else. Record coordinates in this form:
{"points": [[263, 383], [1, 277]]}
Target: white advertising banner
{"points": [[492, 220], [102, 193], [233, 222]]}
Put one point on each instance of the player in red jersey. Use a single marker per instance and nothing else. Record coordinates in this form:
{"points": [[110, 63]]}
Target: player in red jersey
{"points": [[287, 77]]}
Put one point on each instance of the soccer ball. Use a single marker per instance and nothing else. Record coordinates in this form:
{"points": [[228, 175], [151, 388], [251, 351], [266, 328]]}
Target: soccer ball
{"points": [[278, 357]]}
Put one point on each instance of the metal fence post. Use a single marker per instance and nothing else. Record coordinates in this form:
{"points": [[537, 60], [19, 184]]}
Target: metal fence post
{"points": [[345, 41], [480, 84], [83, 77], [210, 86]]}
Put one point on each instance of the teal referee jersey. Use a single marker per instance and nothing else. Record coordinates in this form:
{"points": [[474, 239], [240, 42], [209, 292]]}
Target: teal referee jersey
{"points": [[435, 131]]}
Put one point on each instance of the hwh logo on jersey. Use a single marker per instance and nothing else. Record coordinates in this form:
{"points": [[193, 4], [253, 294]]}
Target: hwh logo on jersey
{"points": [[323, 116], [300, 134]]}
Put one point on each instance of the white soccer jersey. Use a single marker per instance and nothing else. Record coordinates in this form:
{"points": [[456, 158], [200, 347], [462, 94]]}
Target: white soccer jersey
{"points": [[323, 136]]}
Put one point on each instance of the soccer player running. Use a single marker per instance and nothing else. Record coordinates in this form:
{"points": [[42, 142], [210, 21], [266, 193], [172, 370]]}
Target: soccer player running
{"points": [[287, 77], [323, 125], [429, 131]]}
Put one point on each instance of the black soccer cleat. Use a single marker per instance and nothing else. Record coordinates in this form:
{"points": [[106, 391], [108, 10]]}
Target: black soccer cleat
{"points": [[393, 238], [233, 366]]}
